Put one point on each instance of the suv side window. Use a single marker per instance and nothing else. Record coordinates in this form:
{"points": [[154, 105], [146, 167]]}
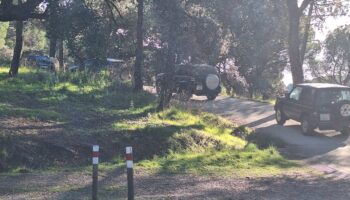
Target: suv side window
{"points": [[295, 94]]}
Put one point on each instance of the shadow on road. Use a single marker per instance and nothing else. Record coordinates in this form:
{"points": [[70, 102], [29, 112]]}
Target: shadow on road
{"points": [[304, 146], [259, 122]]}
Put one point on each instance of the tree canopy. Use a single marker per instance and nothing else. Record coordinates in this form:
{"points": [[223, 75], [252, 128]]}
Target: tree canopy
{"points": [[250, 42]]}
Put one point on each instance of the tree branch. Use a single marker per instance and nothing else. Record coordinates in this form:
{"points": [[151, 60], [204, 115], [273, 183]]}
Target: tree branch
{"points": [[21, 12], [304, 5], [111, 3]]}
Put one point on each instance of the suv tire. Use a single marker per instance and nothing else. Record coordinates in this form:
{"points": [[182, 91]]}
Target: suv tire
{"points": [[280, 117], [211, 97], [345, 131], [344, 109], [306, 126]]}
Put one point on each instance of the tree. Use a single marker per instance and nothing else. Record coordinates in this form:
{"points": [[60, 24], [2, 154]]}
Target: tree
{"points": [[336, 64], [295, 14], [18, 48], [167, 11], [318, 10], [139, 48], [256, 46]]}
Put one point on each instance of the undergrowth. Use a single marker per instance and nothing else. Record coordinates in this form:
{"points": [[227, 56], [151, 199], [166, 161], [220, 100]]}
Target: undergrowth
{"points": [[50, 121]]}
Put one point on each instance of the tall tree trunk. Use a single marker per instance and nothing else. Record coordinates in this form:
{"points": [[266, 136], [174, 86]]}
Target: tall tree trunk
{"points": [[138, 84], [60, 54], [294, 42], [306, 33], [53, 45], [17, 50], [168, 83]]}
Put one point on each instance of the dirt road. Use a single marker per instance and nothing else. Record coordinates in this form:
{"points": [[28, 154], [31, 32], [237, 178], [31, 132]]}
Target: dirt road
{"points": [[71, 186], [326, 151]]}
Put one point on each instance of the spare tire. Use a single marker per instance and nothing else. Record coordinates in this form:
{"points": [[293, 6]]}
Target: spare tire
{"points": [[212, 81], [343, 109]]}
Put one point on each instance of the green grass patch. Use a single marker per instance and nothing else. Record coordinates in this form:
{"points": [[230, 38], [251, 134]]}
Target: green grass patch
{"points": [[220, 162], [35, 114], [78, 108], [205, 144]]}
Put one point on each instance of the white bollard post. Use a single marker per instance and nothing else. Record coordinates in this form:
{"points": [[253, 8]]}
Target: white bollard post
{"points": [[95, 161], [130, 172]]}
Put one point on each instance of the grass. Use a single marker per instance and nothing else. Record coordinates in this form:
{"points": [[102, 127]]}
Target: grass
{"points": [[206, 144], [220, 162], [66, 113]]}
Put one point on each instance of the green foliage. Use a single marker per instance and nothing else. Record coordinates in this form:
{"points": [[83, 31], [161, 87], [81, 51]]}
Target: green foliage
{"points": [[34, 36], [244, 39], [3, 33], [259, 41], [334, 67]]}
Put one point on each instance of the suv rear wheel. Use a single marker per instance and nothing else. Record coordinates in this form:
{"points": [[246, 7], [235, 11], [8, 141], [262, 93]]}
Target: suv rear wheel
{"points": [[345, 131], [211, 97], [306, 126], [280, 117]]}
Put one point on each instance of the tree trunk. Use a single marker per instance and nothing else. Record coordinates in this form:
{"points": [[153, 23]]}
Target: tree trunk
{"points": [[60, 55], [168, 83], [138, 84], [17, 50], [306, 33], [294, 42], [53, 45]]}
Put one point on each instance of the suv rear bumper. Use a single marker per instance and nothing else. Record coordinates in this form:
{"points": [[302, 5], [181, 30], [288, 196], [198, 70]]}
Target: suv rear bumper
{"points": [[206, 91], [333, 125]]}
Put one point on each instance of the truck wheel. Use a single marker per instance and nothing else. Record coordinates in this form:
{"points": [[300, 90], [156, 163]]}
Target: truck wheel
{"points": [[345, 131], [280, 117], [306, 126], [211, 97]]}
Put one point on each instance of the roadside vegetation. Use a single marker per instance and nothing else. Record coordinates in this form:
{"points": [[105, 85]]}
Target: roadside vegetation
{"points": [[50, 122]]}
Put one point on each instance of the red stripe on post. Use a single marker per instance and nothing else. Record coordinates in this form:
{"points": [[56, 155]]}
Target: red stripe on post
{"points": [[129, 157], [95, 154]]}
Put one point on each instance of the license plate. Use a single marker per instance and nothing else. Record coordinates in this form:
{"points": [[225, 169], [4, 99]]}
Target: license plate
{"points": [[325, 117], [199, 87]]}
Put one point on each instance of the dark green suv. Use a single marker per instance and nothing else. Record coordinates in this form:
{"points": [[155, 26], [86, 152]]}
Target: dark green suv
{"points": [[316, 105], [189, 79]]}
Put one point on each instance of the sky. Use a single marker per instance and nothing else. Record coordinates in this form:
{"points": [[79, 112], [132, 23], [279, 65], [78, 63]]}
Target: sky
{"points": [[330, 24]]}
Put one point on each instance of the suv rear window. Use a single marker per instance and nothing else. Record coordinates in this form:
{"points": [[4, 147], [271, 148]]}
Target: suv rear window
{"points": [[332, 96], [307, 96], [295, 94]]}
